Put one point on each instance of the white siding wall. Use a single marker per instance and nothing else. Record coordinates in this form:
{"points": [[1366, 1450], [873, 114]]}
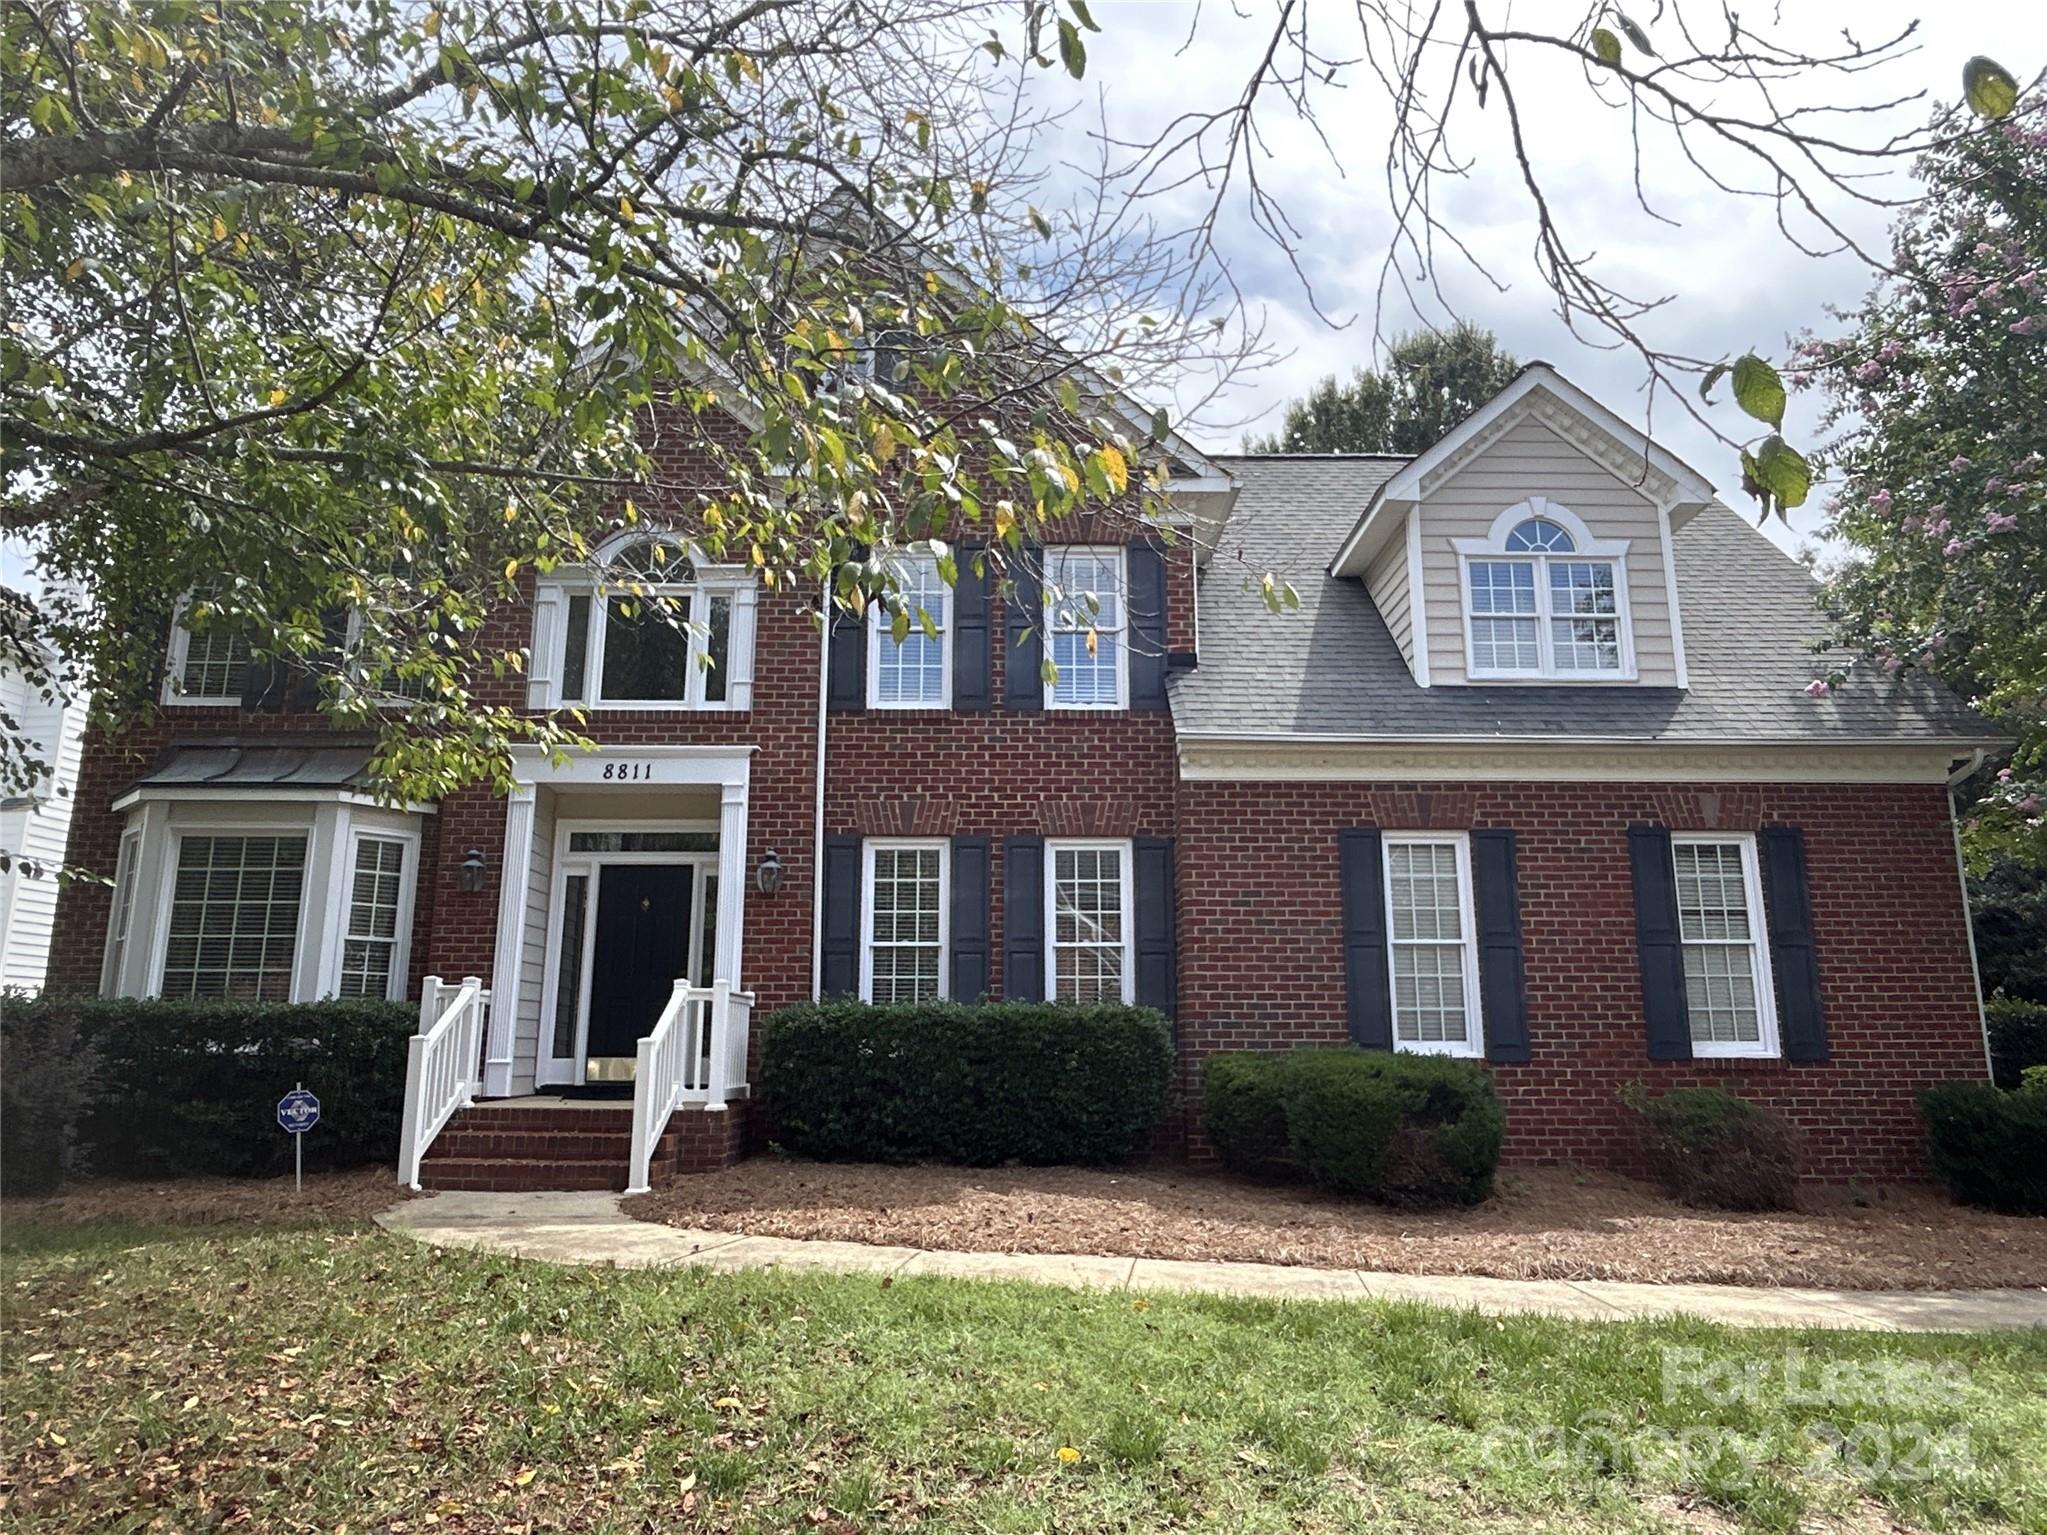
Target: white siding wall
{"points": [[533, 953], [28, 907], [1386, 579], [1531, 460]]}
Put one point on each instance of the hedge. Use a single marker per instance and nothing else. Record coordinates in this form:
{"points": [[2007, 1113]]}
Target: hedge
{"points": [[1708, 1147], [1398, 1128], [192, 1087], [1989, 1146], [981, 1085], [2018, 1038]]}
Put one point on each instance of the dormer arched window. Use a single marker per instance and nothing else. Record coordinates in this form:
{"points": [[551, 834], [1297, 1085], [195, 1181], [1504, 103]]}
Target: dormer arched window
{"points": [[645, 625], [1544, 598]]}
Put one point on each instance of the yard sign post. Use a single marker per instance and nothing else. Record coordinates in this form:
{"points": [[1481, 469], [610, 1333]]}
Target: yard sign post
{"points": [[297, 1112]]}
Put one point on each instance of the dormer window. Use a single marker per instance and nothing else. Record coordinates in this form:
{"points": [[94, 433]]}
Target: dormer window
{"points": [[1544, 598]]}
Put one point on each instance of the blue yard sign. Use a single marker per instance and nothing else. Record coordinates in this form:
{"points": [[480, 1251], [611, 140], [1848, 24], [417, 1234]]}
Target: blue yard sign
{"points": [[297, 1112]]}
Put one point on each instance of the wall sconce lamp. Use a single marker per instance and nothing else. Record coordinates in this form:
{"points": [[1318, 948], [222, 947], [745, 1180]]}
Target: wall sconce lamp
{"points": [[769, 874], [472, 870]]}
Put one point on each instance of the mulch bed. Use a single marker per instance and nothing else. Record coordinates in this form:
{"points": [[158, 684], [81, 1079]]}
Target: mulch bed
{"points": [[329, 1199], [1543, 1224]]}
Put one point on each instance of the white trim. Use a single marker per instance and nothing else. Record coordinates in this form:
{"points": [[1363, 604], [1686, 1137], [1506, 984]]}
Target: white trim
{"points": [[515, 868], [691, 766], [172, 693], [262, 794], [1122, 630], [877, 635], [1472, 1046], [408, 884], [868, 848], [121, 911], [1417, 599], [167, 891], [1766, 1045], [1578, 759], [1492, 550], [1666, 540], [1125, 865]]}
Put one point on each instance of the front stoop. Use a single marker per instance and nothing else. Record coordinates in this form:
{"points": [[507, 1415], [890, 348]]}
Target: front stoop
{"points": [[528, 1146]]}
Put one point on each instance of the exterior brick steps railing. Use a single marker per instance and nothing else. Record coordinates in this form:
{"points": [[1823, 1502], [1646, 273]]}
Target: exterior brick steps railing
{"points": [[519, 1149]]}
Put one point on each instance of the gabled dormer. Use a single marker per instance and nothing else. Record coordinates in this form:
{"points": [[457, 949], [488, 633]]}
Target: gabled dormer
{"points": [[1532, 545]]}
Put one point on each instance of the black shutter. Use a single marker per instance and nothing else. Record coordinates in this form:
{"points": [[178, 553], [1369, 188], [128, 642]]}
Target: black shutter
{"points": [[839, 968], [1152, 890], [1367, 988], [847, 688], [265, 684], [969, 979], [303, 693], [1656, 940], [973, 652], [1023, 682], [1147, 626], [1023, 919], [1801, 1016], [1502, 979]]}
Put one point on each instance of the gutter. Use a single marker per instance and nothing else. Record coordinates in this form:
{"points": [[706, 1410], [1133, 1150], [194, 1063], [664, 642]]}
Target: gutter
{"points": [[1980, 745], [824, 672], [1955, 780]]}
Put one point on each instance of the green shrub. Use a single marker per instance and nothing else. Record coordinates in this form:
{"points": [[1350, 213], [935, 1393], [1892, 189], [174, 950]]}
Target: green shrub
{"points": [[1708, 1147], [1244, 1108], [1401, 1129], [2033, 1080], [48, 1074], [192, 1087], [1989, 1147], [981, 1085], [2018, 1038]]}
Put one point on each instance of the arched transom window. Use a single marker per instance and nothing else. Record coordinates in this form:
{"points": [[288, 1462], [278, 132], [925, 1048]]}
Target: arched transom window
{"points": [[1543, 598]]}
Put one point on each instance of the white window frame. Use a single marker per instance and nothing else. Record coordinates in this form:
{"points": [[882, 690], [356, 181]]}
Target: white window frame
{"points": [[303, 940], [1492, 549], [397, 988], [878, 635], [121, 915], [173, 693], [1051, 624], [552, 596], [868, 848], [1765, 1046], [1054, 846], [351, 644], [1472, 1046]]}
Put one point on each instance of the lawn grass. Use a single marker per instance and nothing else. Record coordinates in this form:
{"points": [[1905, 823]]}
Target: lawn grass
{"points": [[322, 1379]]}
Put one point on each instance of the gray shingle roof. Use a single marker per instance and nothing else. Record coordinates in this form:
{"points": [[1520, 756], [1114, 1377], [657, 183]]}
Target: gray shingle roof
{"points": [[1332, 668]]}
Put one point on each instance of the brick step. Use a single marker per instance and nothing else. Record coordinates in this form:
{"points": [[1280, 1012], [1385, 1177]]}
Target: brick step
{"points": [[532, 1145], [618, 1121], [496, 1174]]}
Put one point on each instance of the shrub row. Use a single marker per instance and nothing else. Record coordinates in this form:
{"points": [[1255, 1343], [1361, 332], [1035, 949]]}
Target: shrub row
{"points": [[2018, 1038], [133, 1089], [1708, 1147], [981, 1085], [1990, 1146], [1401, 1129]]}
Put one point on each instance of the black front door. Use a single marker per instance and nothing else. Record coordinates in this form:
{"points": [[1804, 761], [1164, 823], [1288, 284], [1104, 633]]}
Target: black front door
{"points": [[642, 950]]}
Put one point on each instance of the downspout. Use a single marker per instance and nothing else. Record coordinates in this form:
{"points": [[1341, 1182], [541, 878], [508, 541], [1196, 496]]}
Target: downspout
{"points": [[824, 671], [1955, 780]]}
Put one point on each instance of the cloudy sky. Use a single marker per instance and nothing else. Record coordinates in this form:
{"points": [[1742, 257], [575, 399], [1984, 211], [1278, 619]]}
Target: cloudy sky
{"points": [[1735, 282]]}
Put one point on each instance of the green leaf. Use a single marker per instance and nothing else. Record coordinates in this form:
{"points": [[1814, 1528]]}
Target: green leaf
{"points": [[1607, 46], [1713, 376], [1758, 390], [1069, 395], [1634, 33], [1071, 53], [1161, 425], [1041, 224], [1783, 471], [1081, 14], [1989, 88], [899, 627]]}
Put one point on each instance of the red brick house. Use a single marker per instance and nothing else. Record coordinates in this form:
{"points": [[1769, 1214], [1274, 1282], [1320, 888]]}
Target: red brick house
{"points": [[1531, 776]]}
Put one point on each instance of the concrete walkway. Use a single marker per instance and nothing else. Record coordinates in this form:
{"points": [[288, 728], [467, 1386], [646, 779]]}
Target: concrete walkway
{"points": [[589, 1228]]}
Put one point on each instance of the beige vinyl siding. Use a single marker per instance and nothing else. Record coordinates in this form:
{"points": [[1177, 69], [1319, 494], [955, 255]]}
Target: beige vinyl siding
{"points": [[533, 952], [1386, 579], [1531, 460]]}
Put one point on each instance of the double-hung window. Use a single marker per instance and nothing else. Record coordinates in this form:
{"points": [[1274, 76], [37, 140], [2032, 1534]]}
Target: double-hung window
{"points": [[647, 628], [234, 917], [903, 921], [1090, 956], [915, 671], [209, 665], [1431, 947], [1543, 598], [1729, 994], [1086, 592], [372, 946]]}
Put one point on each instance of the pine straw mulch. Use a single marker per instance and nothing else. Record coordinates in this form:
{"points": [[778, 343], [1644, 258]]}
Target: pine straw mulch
{"points": [[330, 1199], [1543, 1224]]}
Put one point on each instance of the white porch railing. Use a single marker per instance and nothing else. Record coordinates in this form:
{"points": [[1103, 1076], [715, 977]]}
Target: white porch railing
{"points": [[696, 1053], [441, 1067]]}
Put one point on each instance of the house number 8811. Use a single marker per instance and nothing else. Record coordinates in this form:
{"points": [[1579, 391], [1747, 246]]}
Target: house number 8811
{"points": [[629, 770]]}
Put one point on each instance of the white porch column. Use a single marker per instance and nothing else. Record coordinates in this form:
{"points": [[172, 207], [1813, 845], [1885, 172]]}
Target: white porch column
{"points": [[734, 878], [513, 873]]}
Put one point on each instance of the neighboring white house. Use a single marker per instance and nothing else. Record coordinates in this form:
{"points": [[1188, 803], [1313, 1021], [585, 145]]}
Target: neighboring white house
{"points": [[35, 822]]}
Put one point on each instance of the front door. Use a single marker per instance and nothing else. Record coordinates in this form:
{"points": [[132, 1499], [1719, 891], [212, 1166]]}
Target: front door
{"points": [[640, 951]]}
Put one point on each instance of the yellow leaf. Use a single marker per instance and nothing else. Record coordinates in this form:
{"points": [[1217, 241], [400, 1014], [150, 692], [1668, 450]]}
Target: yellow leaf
{"points": [[432, 25], [71, 272], [625, 206], [512, 574], [728, 1404], [1005, 518], [1116, 467], [1092, 640], [524, 1477], [1068, 1455], [884, 443], [58, 1439], [219, 227], [277, 397]]}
